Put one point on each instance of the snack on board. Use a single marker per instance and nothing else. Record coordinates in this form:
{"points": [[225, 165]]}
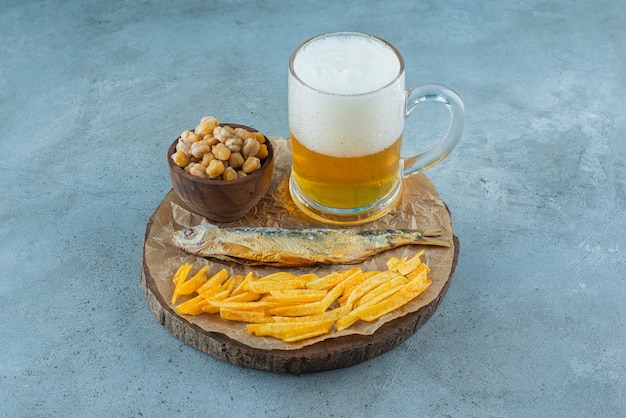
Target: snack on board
{"points": [[293, 308], [219, 152], [296, 247]]}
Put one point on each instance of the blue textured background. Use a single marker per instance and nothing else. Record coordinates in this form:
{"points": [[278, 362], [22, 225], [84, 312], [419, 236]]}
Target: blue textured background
{"points": [[92, 93]]}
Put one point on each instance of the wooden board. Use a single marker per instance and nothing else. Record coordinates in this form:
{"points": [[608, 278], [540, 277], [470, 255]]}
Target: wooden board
{"points": [[325, 355], [421, 207]]}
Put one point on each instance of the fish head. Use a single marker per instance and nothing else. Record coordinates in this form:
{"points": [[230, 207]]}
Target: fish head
{"points": [[195, 237]]}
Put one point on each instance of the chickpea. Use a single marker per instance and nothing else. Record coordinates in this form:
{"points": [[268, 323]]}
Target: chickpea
{"points": [[251, 164], [259, 137], [180, 158], [221, 152], [207, 158], [223, 133], [210, 139], [185, 134], [234, 143], [244, 134], [250, 147], [197, 170], [211, 119], [182, 147], [198, 149], [184, 141], [220, 134], [206, 126], [229, 174], [193, 137], [263, 152], [236, 160], [215, 169]]}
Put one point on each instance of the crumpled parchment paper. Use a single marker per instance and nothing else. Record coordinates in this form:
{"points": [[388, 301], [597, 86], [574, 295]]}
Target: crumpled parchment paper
{"points": [[421, 208]]}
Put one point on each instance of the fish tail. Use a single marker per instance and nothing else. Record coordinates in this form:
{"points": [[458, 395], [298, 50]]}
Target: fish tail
{"points": [[427, 240], [431, 232], [423, 237], [429, 237]]}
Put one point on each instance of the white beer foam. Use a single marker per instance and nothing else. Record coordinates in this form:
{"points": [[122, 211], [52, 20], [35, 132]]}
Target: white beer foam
{"points": [[346, 64], [347, 113]]}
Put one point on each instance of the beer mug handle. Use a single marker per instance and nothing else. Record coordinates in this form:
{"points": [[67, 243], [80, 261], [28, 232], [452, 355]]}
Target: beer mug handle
{"points": [[441, 94]]}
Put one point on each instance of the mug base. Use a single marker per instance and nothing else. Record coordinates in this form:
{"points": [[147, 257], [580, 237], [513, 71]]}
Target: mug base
{"points": [[345, 217]]}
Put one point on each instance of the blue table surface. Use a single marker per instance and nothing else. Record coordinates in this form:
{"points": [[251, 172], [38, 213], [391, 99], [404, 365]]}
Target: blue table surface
{"points": [[92, 93]]}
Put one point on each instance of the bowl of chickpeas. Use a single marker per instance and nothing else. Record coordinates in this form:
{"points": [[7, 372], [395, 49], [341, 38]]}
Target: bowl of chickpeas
{"points": [[221, 170]]}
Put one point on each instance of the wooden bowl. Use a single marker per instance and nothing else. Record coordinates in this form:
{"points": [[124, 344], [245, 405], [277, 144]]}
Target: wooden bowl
{"points": [[222, 200]]}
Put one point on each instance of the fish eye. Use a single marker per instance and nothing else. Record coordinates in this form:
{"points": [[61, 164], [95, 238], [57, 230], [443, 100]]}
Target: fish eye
{"points": [[189, 233]]}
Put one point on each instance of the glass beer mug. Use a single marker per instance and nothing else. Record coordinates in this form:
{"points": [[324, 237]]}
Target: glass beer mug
{"points": [[347, 107]]}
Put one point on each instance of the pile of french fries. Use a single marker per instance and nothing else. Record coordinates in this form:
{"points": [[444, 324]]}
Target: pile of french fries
{"points": [[293, 308]]}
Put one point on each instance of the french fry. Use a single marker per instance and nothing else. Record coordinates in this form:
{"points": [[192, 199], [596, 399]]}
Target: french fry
{"points": [[190, 286], [393, 299], [237, 280], [258, 306], [216, 280], [409, 292], [393, 262], [348, 319], [266, 286], [333, 294], [379, 293], [181, 273], [381, 297], [192, 306], [330, 280], [291, 331], [354, 315], [305, 309], [219, 294], [355, 278], [333, 314], [353, 281], [179, 278], [209, 308], [367, 285], [279, 276], [325, 282], [245, 316], [229, 285], [222, 294], [308, 277], [243, 297], [417, 271], [296, 296], [292, 308], [243, 286], [411, 264], [305, 335]]}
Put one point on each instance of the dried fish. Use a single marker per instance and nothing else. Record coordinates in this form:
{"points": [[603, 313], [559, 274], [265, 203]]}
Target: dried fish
{"points": [[297, 247]]}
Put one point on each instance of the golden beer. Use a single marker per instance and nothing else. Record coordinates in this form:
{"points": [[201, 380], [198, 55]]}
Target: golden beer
{"points": [[346, 118], [346, 182], [347, 108]]}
